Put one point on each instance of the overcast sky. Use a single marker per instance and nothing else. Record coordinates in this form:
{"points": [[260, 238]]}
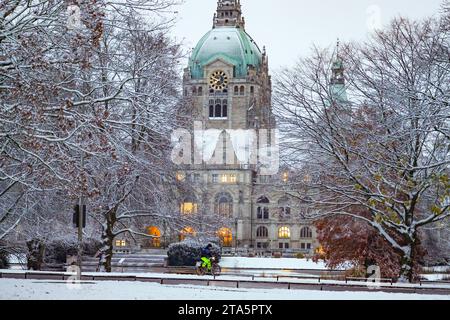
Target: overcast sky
{"points": [[288, 28]]}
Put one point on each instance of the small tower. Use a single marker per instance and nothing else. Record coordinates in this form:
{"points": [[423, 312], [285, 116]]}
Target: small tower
{"points": [[337, 77], [229, 14], [337, 83]]}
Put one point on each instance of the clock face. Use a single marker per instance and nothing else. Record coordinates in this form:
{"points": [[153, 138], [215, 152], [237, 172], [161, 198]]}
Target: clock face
{"points": [[218, 80]]}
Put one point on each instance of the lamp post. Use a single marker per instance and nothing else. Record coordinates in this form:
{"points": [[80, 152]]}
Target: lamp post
{"points": [[81, 213]]}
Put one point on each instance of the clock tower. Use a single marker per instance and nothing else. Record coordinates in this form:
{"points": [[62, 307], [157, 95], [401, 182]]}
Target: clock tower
{"points": [[228, 92]]}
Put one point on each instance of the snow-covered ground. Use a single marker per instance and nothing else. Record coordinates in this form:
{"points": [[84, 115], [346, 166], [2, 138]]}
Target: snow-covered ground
{"points": [[114, 290], [436, 276], [271, 263]]}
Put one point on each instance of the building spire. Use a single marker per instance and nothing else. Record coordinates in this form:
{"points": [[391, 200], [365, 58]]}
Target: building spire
{"points": [[229, 14], [338, 69]]}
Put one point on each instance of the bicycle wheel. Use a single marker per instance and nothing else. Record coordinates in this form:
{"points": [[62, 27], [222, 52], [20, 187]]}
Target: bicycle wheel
{"points": [[201, 271], [216, 270]]}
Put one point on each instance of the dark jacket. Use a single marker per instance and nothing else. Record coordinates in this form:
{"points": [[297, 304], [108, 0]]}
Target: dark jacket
{"points": [[206, 252]]}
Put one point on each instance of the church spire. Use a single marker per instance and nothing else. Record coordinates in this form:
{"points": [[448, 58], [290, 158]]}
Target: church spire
{"points": [[337, 84], [338, 69], [229, 14]]}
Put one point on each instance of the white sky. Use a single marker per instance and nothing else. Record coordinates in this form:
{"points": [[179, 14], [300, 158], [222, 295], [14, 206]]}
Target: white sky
{"points": [[288, 28]]}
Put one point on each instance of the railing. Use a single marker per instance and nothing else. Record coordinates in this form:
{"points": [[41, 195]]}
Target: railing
{"points": [[237, 283], [434, 281]]}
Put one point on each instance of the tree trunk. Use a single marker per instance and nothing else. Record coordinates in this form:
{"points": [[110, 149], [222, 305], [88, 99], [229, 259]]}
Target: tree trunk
{"points": [[106, 252], [407, 263], [35, 257]]}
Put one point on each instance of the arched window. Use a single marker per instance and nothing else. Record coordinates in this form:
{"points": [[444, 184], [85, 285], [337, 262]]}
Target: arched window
{"points": [[242, 90], [211, 108], [305, 232], [189, 206], [224, 108], [262, 211], [194, 91], [218, 108], [236, 90], [187, 232], [226, 237], [262, 232], [224, 205], [155, 233], [252, 90], [200, 91], [284, 233]]}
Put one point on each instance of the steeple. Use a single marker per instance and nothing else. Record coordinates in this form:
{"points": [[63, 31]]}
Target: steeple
{"points": [[337, 76], [229, 14], [337, 83]]}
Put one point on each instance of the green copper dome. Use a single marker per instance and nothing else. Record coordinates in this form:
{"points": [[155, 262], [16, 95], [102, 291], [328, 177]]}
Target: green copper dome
{"points": [[231, 44]]}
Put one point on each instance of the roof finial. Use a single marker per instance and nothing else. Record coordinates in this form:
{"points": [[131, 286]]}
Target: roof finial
{"points": [[338, 44]]}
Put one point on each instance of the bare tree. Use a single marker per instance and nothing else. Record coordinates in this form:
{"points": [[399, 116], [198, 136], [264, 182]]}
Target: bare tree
{"points": [[86, 94], [387, 151]]}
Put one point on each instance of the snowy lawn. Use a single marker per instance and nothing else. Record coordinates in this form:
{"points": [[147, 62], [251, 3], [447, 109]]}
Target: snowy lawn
{"points": [[114, 290], [271, 263]]}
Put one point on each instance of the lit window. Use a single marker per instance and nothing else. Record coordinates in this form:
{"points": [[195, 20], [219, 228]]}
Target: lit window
{"points": [[320, 250], [284, 233], [226, 237], [285, 177], [180, 176], [155, 240], [228, 178], [189, 208], [121, 243], [187, 232]]}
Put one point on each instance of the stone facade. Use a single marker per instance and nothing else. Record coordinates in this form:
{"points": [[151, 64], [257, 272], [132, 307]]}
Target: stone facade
{"points": [[229, 88]]}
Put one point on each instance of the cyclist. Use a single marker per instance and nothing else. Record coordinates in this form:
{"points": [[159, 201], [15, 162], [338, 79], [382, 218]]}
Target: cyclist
{"points": [[206, 256]]}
